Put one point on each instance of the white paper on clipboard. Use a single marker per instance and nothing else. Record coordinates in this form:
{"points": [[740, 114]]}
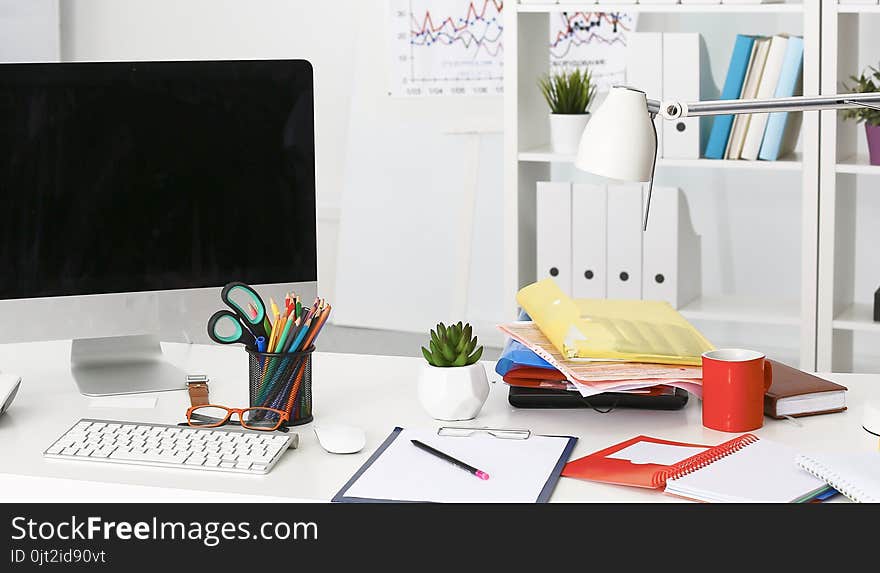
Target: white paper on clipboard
{"points": [[520, 470]]}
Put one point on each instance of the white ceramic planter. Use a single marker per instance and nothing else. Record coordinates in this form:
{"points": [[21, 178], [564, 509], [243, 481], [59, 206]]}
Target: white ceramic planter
{"points": [[455, 393], [566, 130]]}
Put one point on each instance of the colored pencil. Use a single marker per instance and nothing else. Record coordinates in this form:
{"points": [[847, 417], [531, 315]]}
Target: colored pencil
{"points": [[275, 313]]}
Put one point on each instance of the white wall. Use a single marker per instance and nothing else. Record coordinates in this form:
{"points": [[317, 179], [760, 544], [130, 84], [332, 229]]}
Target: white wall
{"points": [[241, 29], [29, 31]]}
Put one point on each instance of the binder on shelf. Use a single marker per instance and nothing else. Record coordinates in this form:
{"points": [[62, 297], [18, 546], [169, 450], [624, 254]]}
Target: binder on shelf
{"points": [[781, 134], [589, 212], [750, 91], [766, 89], [644, 70], [733, 85], [681, 76], [625, 205], [553, 232], [672, 250]]}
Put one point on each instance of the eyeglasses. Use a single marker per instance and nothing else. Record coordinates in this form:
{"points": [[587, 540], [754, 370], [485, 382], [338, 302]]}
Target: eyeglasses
{"points": [[211, 416]]}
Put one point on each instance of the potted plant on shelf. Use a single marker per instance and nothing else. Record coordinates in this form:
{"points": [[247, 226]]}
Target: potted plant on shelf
{"points": [[453, 384], [867, 83], [569, 94]]}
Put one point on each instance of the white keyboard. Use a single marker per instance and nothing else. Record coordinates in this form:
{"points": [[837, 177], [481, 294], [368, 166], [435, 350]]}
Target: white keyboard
{"points": [[224, 449]]}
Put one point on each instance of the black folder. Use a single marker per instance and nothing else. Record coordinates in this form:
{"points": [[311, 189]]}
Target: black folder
{"points": [[605, 402]]}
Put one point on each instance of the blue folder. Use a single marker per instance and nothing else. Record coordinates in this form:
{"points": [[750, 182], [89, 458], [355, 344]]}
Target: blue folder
{"points": [[788, 83], [517, 354], [733, 84]]}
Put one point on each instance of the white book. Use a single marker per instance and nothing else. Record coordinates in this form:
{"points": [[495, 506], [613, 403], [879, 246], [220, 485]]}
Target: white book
{"points": [[855, 475], [749, 91], [766, 89]]}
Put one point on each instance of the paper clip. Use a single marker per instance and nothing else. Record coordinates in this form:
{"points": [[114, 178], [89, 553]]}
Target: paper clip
{"points": [[503, 433]]}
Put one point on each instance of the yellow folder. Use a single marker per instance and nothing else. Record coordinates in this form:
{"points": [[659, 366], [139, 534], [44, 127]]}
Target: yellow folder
{"points": [[599, 329]]}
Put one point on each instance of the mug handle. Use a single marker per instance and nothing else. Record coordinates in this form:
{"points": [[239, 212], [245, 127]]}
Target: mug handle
{"points": [[768, 374]]}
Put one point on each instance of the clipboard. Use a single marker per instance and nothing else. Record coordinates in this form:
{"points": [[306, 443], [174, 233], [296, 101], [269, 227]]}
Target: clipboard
{"points": [[523, 467]]}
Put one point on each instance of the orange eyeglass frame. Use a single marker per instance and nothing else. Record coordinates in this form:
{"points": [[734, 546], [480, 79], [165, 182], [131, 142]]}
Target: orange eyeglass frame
{"points": [[282, 417]]}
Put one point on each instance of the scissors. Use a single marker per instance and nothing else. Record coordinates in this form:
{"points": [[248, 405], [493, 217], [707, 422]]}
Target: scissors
{"points": [[226, 327], [226, 321]]}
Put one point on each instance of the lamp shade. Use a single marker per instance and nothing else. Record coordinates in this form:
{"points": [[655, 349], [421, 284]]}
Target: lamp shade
{"points": [[619, 142]]}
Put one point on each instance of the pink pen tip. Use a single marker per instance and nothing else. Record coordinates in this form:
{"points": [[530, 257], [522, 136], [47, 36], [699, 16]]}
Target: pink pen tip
{"points": [[482, 475]]}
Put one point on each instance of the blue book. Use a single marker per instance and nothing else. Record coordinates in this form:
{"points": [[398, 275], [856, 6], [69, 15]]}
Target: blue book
{"points": [[733, 84], [789, 80]]}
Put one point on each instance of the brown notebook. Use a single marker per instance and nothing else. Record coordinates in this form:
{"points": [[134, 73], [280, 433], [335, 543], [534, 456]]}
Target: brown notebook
{"points": [[796, 393]]}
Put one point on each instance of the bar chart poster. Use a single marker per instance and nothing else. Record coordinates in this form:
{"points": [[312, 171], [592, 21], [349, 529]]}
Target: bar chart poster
{"points": [[594, 40], [446, 47]]}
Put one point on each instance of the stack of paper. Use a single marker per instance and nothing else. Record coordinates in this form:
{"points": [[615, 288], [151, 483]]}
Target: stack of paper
{"points": [[596, 346]]}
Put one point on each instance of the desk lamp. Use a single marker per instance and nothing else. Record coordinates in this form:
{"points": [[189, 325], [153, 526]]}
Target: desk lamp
{"points": [[620, 142]]}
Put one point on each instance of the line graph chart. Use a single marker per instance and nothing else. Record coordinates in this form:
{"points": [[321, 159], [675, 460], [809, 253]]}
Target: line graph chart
{"points": [[594, 39], [446, 47]]}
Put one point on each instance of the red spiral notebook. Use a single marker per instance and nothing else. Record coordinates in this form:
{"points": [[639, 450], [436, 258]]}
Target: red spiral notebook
{"points": [[744, 469]]}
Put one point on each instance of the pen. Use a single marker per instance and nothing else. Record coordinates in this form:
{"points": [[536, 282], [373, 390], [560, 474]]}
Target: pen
{"points": [[261, 344], [446, 457]]}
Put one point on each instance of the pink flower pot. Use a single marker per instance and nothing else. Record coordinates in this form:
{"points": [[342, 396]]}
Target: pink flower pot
{"points": [[873, 133]]}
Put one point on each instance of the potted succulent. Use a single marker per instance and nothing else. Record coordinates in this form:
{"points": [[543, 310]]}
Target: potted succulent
{"points": [[569, 94], [453, 384], [867, 83]]}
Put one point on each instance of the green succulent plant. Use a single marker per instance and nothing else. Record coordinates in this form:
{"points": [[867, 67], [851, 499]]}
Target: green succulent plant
{"points": [[865, 83], [569, 91], [452, 346]]}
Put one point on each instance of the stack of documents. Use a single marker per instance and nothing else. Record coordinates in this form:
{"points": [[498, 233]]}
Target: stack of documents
{"points": [[595, 346]]}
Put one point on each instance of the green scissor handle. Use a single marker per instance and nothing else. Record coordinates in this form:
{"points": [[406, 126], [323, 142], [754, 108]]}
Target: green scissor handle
{"points": [[229, 322], [239, 289]]}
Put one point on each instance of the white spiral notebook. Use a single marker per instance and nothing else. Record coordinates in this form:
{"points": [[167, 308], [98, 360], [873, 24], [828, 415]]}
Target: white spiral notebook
{"points": [[856, 475]]}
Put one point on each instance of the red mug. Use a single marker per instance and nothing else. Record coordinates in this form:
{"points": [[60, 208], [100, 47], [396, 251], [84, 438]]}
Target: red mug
{"points": [[734, 382]]}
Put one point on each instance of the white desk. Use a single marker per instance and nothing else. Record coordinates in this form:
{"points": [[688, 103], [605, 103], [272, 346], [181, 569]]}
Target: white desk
{"points": [[373, 392]]}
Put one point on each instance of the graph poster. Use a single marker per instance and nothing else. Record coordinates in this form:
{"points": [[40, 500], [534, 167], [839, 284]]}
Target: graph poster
{"points": [[446, 47], [594, 39]]}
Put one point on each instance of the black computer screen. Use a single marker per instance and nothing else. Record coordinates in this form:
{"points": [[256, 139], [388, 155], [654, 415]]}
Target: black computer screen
{"points": [[125, 177]]}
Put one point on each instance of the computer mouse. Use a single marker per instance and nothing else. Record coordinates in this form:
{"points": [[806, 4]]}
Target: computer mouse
{"points": [[9, 384], [340, 439]]}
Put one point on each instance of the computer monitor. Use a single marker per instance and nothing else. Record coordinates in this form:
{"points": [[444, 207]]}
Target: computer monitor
{"points": [[130, 192]]}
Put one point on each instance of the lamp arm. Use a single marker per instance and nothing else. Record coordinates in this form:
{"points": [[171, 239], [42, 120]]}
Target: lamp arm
{"points": [[675, 110]]}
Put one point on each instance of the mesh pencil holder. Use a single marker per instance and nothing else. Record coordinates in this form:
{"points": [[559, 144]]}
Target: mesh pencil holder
{"points": [[283, 381]]}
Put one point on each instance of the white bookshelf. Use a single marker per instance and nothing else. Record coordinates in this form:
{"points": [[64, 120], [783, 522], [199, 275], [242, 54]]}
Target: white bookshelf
{"points": [[545, 154], [849, 259], [529, 158], [857, 164], [857, 316], [748, 310]]}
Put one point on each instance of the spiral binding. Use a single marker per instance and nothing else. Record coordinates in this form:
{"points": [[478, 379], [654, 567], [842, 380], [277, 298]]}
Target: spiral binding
{"points": [[702, 460], [831, 478]]}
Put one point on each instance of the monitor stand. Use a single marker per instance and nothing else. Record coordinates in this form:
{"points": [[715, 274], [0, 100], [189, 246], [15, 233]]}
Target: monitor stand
{"points": [[123, 365]]}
